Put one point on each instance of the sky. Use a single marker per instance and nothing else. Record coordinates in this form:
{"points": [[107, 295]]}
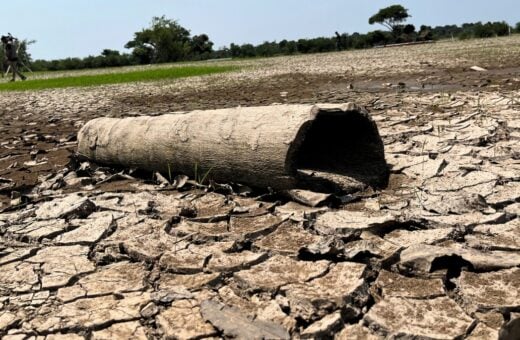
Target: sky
{"points": [[78, 28]]}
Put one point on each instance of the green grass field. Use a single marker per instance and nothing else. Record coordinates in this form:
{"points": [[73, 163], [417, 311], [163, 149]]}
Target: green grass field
{"points": [[114, 78]]}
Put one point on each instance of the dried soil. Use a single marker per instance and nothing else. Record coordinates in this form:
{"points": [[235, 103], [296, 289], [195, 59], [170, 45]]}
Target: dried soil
{"points": [[94, 252]]}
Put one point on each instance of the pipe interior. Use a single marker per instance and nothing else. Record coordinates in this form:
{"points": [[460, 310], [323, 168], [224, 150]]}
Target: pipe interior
{"points": [[344, 144]]}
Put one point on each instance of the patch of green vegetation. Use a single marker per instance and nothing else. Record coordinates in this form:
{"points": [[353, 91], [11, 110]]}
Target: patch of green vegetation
{"points": [[201, 177], [114, 78]]}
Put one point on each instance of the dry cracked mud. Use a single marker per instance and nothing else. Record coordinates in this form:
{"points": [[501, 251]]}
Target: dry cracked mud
{"points": [[89, 252]]}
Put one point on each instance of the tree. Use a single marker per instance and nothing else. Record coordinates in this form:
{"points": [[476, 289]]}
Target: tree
{"points": [[111, 58], [164, 41], [358, 41], [483, 30], [406, 33], [517, 27], [390, 17], [201, 44], [425, 33], [287, 47], [378, 38], [23, 53], [500, 28], [247, 50], [267, 49], [234, 50], [409, 29]]}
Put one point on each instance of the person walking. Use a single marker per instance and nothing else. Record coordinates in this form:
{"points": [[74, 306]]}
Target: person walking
{"points": [[339, 45], [11, 56]]}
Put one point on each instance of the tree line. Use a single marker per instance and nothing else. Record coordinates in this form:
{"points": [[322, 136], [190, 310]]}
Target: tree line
{"points": [[165, 40]]}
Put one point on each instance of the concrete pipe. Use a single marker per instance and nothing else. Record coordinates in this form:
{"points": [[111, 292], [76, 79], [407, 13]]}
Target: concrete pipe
{"points": [[330, 148]]}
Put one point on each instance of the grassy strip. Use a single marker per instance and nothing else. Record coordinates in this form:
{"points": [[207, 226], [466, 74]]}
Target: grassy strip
{"points": [[114, 78]]}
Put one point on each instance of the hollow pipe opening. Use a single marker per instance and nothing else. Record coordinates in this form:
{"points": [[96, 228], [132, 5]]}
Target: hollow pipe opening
{"points": [[340, 151]]}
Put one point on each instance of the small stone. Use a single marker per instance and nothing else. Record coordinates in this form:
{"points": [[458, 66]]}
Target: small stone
{"points": [[308, 198], [150, 310], [478, 69]]}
